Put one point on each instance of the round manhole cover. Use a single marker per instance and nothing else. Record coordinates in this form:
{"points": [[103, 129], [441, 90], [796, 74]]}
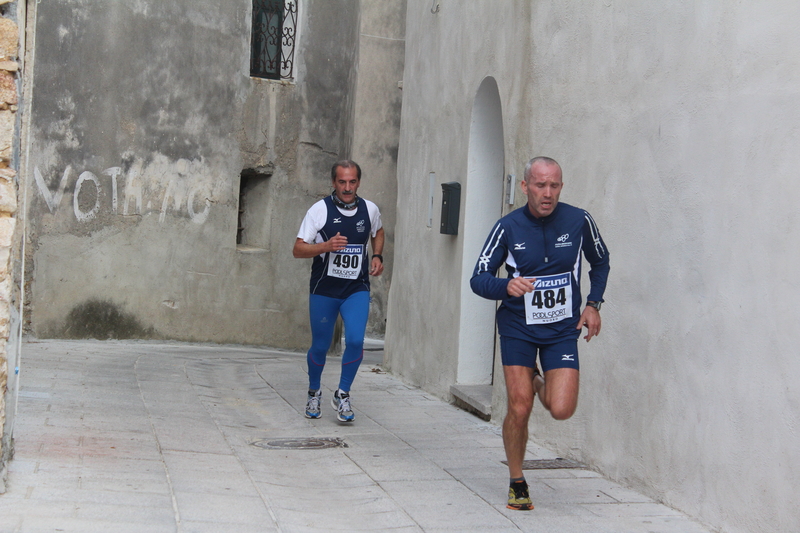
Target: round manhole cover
{"points": [[314, 443]]}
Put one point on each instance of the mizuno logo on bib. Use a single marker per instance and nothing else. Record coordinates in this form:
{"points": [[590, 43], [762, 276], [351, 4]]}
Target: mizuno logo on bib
{"points": [[551, 299], [346, 263]]}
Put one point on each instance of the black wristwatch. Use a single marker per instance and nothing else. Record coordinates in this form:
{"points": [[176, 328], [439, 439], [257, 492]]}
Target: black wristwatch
{"points": [[596, 305], [379, 256]]}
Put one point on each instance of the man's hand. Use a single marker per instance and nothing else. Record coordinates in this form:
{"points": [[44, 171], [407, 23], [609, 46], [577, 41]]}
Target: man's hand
{"points": [[376, 268], [337, 243], [519, 286], [591, 319]]}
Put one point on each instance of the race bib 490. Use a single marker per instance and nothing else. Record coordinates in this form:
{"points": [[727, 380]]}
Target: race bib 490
{"points": [[551, 299], [346, 263]]}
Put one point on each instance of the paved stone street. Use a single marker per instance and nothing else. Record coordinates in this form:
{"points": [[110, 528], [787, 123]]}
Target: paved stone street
{"points": [[159, 437]]}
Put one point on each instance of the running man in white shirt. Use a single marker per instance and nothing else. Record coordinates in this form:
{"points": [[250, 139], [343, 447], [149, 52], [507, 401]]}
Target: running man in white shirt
{"points": [[336, 232]]}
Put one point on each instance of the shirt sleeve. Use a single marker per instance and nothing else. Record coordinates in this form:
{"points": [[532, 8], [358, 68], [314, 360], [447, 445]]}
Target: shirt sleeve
{"points": [[596, 254], [313, 222], [374, 217], [484, 282]]}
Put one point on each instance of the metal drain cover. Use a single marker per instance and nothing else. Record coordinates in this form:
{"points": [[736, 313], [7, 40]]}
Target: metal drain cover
{"points": [[314, 443], [549, 464]]}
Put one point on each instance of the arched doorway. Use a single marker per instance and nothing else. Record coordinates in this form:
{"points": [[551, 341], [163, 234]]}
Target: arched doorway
{"points": [[482, 208]]}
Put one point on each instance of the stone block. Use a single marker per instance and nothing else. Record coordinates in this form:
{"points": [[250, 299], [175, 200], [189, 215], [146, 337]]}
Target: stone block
{"points": [[8, 197], [7, 225], [5, 257], [6, 133], [8, 88], [5, 297], [9, 38]]}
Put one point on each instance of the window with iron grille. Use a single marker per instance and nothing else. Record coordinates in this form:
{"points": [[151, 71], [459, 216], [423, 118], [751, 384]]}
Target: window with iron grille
{"points": [[273, 39]]}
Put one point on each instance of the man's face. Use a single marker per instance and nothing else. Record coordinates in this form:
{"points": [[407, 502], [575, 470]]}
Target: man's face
{"points": [[543, 187], [345, 184]]}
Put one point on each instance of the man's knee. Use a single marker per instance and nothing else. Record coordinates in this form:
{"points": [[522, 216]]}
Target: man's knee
{"points": [[355, 344], [318, 357], [562, 412], [520, 409], [562, 408]]}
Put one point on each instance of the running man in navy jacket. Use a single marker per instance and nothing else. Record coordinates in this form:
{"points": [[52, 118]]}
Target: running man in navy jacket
{"points": [[541, 245]]}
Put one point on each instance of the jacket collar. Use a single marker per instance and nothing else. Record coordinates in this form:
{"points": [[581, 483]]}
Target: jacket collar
{"points": [[543, 220]]}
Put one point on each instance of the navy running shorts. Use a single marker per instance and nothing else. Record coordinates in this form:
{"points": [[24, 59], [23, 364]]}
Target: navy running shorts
{"points": [[517, 352]]}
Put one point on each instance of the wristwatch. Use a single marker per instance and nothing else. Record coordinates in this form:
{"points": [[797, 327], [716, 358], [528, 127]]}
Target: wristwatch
{"points": [[596, 305]]}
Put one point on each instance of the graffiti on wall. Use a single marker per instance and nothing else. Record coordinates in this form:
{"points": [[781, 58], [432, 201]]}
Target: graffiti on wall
{"points": [[130, 193]]}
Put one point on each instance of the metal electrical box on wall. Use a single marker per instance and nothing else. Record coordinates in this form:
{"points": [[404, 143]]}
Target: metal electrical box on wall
{"points": [[451, 206]]}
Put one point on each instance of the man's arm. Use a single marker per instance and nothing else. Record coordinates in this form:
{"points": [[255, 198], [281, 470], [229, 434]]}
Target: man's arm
{"points": [[376, 267], [306, 247], [493, 254], [304, 250], [596, 253]]}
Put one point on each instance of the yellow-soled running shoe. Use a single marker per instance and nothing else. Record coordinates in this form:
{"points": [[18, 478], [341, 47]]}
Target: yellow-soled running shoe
{"points": [[518, 497]]}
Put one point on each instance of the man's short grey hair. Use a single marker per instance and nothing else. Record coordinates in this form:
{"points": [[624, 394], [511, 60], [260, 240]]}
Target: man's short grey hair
{"points": [[345, 163], [539, 159]]}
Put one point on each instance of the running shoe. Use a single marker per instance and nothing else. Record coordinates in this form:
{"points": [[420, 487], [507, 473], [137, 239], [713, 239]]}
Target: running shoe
{"points": [[312, 405], [341, 402], [518, 497]]}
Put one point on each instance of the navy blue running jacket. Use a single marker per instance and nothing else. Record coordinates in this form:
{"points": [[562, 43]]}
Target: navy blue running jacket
{"points": [[548, 249]]}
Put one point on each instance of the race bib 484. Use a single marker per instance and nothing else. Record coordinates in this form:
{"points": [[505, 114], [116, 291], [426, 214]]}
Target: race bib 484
{"points": [[551, 299]]}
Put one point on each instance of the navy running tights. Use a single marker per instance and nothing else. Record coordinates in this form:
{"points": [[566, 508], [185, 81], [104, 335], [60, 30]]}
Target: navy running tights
{"points": [[323, 312]]}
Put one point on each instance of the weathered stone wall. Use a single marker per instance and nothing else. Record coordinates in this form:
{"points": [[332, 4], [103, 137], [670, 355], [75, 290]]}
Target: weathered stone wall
{"points": [[143, 122], [376, 132], [9, 50]]}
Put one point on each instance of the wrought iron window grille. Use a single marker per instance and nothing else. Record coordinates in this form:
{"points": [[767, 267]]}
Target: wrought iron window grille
{"points": [[274, 33]]}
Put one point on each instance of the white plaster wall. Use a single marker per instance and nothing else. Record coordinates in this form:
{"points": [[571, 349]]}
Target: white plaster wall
{"points": [[677, 126], [424, 301]]}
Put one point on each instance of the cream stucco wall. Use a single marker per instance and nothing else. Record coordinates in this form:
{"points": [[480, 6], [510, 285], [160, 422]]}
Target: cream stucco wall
{"points": [[676, 125]]}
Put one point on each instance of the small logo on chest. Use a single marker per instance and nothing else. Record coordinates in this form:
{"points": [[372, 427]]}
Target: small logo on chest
{"points": [[519, 245], [561, 242], [360, 226], [337, 220]]}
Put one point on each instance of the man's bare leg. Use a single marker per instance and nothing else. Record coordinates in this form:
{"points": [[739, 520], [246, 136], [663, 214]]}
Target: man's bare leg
{"points": [[519, 385], [558, 391]]}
